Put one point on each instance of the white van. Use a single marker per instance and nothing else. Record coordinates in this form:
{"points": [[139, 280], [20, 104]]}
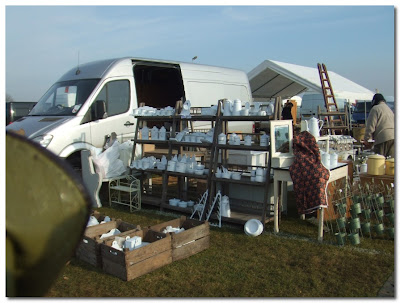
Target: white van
{"points": [[95, 99]]}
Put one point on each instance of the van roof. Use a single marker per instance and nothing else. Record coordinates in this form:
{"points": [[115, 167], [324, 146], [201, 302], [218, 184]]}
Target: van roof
{"points": [[123, 66]]}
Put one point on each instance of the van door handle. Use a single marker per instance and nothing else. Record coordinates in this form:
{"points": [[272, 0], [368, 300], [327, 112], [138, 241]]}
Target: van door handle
{"points": [[128, 123]]}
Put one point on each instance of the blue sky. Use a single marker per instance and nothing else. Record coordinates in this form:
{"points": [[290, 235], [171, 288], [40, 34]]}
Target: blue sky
{"points": [[42, 42]]}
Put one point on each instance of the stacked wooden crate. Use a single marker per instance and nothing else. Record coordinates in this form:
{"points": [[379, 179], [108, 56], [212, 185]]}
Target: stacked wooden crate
{"points": [[89, 248], [195, 237], [158, 248]]}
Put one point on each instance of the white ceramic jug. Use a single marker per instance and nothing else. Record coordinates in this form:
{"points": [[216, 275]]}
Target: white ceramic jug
{"points": [[145, 133], [247, 140], [154, 133], [225, 207], [264, 140], [236, 107], [227, 110], [314, 126], [304, 125], [221, 138], [162, 133]]}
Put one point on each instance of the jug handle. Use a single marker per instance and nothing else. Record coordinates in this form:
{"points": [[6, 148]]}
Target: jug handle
{"points": [[307, 129], [321, 124]]}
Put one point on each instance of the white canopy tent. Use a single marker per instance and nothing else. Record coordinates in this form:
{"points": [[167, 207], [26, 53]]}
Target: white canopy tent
{"points": [[271, 79]]}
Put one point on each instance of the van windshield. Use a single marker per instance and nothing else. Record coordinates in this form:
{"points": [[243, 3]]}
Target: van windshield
{"points": [[64, 98]]}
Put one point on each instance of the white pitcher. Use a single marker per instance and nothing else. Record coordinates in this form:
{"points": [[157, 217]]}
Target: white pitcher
{"points": [[227, 110], [304, 125], [314, 127]]}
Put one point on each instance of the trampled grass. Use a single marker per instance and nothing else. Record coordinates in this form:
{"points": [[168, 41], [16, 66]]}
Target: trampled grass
{"points": [[290, 264]]}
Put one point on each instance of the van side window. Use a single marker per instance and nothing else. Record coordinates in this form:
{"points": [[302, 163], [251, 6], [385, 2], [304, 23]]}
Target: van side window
{"points": [[117, 96]]}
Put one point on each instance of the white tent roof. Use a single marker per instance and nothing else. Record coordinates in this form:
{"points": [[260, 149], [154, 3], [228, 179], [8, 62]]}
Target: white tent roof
{"points": [[271, 79]]}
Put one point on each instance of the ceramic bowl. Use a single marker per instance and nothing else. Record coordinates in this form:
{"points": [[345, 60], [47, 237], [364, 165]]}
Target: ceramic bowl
{"points": [[183, 204], [190, 203], [218, 175], [236, 176], [253, 228], [190, 171], [174, 202], [226, 175], [199, 171]]}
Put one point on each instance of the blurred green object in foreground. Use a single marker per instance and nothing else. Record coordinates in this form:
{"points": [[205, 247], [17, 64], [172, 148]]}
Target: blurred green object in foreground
{"points": [[47, 209]]}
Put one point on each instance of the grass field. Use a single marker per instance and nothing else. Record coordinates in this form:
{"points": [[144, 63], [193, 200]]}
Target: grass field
{"points": [[290, 264]]}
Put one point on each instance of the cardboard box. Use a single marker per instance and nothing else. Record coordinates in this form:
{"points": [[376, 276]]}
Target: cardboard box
{"points": [[130, 264], [89, 248], [195, 238]]}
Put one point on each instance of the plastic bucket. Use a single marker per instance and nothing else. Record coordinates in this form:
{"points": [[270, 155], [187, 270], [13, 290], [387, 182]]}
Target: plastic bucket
{"points": [[390, 231], [341, 222], [366, 213], [380, 200], [356, 198], [354, 213], [390, 216], [379, 213], [366, 227], [340, 238], [355, 223], [354, 238], [379, 228], [341, 208], [357, 208]]}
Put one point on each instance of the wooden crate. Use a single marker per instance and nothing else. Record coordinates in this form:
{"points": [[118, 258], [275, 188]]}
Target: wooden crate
{"points": [[128, 265], [194, 239], [89, 248]]}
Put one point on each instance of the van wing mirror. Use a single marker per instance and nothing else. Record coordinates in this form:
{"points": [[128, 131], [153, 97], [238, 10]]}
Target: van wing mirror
{"points": [[100, 109]]}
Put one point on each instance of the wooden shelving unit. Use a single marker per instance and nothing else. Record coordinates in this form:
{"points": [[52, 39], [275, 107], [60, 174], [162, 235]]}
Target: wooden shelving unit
{"points": [[240, 214]]}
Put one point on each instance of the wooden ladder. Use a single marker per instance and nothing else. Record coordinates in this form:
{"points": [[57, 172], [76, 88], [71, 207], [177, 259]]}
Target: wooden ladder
{"points": [[336, 122]]}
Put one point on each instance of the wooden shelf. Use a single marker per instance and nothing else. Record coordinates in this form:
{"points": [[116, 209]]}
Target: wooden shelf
{"points": [[243, 180], [187, 210], [191, 144], [193, 176], [241, 211], [159, 142], [245, 118], [243, 147]]}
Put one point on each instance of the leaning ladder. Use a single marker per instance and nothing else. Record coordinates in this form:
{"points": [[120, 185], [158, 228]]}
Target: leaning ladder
{"points": [[336, 120]]}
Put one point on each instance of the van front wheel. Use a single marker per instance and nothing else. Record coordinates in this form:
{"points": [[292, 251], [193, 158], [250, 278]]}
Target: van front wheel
{"points": [[75, 161]]}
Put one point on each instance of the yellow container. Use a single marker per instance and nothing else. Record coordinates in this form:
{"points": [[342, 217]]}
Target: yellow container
{"points": [[376, 165], [389, 170], [358, 133]]}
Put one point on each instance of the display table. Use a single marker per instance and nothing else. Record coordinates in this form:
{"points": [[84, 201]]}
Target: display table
{"points": [[282, 176]]}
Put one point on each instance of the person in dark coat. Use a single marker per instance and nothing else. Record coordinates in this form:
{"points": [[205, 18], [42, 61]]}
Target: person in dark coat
{"points": [[287, 111]]}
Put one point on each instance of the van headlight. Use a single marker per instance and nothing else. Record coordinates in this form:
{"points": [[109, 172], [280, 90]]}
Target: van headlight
{"points": [[43, 140]]}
